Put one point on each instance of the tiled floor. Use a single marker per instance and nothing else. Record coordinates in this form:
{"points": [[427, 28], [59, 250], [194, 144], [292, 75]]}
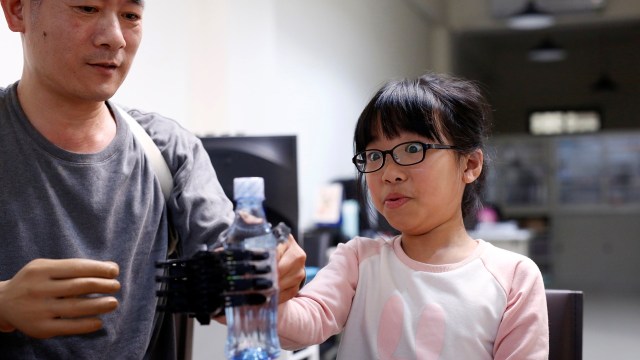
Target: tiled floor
{"points": [[611, 327]]}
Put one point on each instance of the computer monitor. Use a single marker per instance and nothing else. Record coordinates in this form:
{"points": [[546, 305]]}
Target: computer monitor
{"points": [[273, 158]]}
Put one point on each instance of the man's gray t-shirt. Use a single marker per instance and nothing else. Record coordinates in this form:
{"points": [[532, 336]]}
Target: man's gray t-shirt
{"points": [[105, 206]]}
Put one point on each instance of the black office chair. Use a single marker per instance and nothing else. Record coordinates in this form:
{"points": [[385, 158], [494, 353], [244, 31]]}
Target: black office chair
{"points": [[565, 324]]}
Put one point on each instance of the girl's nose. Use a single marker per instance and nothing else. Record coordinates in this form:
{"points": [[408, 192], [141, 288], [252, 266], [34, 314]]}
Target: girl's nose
{"points": [[392, 172]]}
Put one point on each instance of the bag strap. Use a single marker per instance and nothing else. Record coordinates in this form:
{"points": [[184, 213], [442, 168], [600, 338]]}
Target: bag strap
{"points": [[159, 165], [161, 169], [154, 155]]}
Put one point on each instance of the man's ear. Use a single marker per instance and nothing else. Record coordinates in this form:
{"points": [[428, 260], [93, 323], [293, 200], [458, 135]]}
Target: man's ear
{"points": [[473, 168], [14, 14]]}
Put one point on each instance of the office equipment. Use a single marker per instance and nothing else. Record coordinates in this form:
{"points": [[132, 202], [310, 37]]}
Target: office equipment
{"points": [[273, 158]]}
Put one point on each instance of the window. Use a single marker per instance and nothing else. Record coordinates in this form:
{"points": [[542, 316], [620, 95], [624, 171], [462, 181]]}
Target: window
{"points": [[564, 122]]}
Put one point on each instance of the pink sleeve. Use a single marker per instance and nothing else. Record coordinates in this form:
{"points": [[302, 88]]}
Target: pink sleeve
{"points": [[321, 308], [524, 329]]}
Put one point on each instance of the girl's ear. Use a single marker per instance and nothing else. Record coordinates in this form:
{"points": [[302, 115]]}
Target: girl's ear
{"points": [[14, 14], [473, 167]]}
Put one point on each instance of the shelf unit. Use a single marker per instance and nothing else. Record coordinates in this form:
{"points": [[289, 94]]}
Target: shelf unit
{"points": [[542, 181]]}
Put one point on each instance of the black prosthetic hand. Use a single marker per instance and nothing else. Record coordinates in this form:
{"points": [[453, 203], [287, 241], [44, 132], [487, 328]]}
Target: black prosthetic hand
{"points": [[198, 285], [203, 285]]}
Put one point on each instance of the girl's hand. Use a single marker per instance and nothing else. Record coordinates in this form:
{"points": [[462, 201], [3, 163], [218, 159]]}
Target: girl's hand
{"points": [[291, 273]]}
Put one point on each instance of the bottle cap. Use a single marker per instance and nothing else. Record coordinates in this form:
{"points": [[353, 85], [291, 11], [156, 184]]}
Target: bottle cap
{"points": [[245, 187]]}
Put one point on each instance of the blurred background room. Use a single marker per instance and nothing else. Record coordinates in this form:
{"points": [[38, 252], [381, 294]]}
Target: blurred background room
{"points": [[564, 186]]}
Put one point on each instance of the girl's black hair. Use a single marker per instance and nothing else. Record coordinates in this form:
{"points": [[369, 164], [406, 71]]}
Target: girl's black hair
{"points": [[437, 107]]}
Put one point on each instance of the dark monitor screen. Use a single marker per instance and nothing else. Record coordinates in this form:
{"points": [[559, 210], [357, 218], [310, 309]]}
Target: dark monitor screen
{"points": [[273, 158]]}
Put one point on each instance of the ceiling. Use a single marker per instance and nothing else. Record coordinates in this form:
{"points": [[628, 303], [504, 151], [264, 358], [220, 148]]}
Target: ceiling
{"points": [[486, 15], [595, 44], [598, 36]]}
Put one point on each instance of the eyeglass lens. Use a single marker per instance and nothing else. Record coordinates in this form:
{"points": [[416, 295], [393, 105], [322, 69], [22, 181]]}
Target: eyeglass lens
{"points": [[403, 154]]}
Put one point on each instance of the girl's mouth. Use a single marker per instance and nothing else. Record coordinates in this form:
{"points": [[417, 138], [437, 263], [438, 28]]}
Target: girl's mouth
{"points": [[395, 201]]}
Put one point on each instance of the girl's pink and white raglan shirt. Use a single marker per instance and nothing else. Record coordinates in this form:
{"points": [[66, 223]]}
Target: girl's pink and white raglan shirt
{"points": [[492, 305]]}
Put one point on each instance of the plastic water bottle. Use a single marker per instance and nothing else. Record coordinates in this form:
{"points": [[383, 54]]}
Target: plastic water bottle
{"points": [[251, 329]]}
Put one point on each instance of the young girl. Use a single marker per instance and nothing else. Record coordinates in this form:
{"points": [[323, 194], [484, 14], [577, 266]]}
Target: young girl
{"points": [[432, 292]]}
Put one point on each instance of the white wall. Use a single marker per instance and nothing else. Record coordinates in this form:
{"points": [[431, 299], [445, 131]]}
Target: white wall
{"points": [[10, 56]]}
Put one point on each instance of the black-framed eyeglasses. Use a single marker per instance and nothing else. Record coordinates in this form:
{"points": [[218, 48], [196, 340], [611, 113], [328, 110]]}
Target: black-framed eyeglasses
{"points": [[405, 154]]}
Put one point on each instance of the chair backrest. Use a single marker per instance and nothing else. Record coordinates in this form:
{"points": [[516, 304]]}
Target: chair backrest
{"points": [[565, 324]]}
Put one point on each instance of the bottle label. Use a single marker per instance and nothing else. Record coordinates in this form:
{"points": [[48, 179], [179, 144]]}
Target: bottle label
{"points": [[262, 242]]}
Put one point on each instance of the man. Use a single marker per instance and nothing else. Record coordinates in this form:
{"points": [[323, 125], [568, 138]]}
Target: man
{"points": [[82, 215]]}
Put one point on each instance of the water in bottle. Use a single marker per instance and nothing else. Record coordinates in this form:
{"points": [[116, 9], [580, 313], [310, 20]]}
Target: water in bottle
{"points": [[252, 332]]}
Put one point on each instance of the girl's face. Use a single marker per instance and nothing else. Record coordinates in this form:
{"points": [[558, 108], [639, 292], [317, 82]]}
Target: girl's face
{"points": [[417, 199]]}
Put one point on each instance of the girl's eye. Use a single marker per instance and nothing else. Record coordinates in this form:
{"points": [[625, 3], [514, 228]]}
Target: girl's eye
{"points": [[413, 148], [374, 156]]}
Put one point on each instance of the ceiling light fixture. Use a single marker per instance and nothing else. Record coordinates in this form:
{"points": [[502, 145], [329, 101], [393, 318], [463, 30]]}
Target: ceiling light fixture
{"points": [[547, 51], [530, 18], [604, 84]]}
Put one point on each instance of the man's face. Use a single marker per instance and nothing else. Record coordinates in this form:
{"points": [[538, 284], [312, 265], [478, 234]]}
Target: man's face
{"points": [[80, 49]]}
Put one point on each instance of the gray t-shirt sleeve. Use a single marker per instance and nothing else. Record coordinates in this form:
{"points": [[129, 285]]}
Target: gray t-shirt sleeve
{"points": [[197, 208]]}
